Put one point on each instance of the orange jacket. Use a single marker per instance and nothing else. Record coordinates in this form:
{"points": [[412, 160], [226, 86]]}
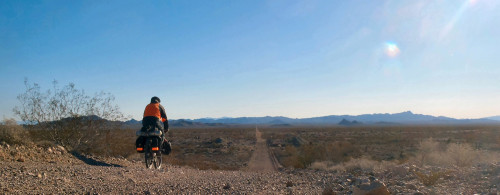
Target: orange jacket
{"points": [[155, 110]]}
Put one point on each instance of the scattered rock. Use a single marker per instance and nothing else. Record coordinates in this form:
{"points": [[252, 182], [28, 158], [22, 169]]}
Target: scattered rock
{"points": [[61, 149], [218, 140], [227, 186], [20, 159], [5, 145], [411, 186], [372, 187], [289, 184]]}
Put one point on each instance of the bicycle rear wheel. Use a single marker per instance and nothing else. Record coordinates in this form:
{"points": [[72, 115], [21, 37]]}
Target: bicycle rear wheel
{"points": [[148, 155], [157, 160]]}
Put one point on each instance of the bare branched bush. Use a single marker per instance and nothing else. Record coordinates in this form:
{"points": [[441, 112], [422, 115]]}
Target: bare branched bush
{"points": [[67, 115]]}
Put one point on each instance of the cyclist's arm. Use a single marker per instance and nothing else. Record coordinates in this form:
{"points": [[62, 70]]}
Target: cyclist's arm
{"points": [[164, 117]]}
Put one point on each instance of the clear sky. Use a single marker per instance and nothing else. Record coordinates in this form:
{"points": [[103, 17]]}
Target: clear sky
{"points": [[259, 58]]}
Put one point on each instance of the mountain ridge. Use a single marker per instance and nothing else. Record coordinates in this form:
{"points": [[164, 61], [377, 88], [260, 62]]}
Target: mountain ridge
{"points": [[402, 118], [407, 117]]}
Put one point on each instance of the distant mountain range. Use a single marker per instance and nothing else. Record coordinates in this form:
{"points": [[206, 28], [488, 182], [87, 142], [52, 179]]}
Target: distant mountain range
{"points": [[407, 117], [496, 118]]}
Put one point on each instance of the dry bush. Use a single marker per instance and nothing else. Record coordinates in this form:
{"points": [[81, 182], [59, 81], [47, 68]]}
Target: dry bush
{"points": [[357, 164], [452, 154], [428, 151], [290, 157], [67, 115], [430, 179], [11, 133], [321, 165], [461, 154], [340, 151]]}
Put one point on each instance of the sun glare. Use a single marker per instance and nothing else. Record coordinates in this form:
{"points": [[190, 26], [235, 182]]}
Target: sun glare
{"points": [[391, 49]]}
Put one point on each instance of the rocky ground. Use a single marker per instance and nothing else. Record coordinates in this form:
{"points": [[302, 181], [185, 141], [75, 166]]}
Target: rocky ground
{"points": [[52, 170]]}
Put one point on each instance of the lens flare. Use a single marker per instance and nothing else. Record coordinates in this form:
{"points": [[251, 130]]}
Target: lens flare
{"points": [[391, 49]]}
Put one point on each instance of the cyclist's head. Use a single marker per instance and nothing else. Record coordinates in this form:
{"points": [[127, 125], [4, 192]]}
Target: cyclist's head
{"points": [[155, 100]]}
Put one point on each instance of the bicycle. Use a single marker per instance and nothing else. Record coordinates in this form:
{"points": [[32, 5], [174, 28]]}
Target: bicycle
{"points": [[151, 148]]}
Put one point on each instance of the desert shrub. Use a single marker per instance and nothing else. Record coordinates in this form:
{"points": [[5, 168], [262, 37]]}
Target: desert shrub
{"points": [[456, 154], [321, 165], [11, 133], [430, 179], [461, 154], [340, 151], [356, 164], [428, 149], [290, 157], [310, 153], [67, 115]]}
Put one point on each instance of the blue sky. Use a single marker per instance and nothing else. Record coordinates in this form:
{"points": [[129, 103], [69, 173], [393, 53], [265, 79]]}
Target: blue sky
{"points": [[258, 58]]}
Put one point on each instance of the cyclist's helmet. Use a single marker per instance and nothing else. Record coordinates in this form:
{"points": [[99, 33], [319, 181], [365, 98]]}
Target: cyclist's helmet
{"points": [[155, 100]]}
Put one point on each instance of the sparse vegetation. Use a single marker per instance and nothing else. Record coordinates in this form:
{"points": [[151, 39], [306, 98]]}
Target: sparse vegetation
{"points": [[370, 147], [227, 148], [431, 152], [406, 159], [11, 133], [67, 115], [430, 179]]}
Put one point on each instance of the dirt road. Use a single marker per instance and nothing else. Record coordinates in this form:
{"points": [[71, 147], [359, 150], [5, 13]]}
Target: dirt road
{"points": [[262, 160]]}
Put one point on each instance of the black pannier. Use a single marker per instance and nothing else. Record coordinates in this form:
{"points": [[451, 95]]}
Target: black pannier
{"points": [[166, 147]]}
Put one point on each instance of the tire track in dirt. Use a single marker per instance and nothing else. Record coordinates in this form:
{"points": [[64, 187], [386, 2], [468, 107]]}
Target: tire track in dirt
{"points": [[262, 159]]}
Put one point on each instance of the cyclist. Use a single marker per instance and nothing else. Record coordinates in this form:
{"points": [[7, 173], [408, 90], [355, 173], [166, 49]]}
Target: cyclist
{"points": [[155, 116]]}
